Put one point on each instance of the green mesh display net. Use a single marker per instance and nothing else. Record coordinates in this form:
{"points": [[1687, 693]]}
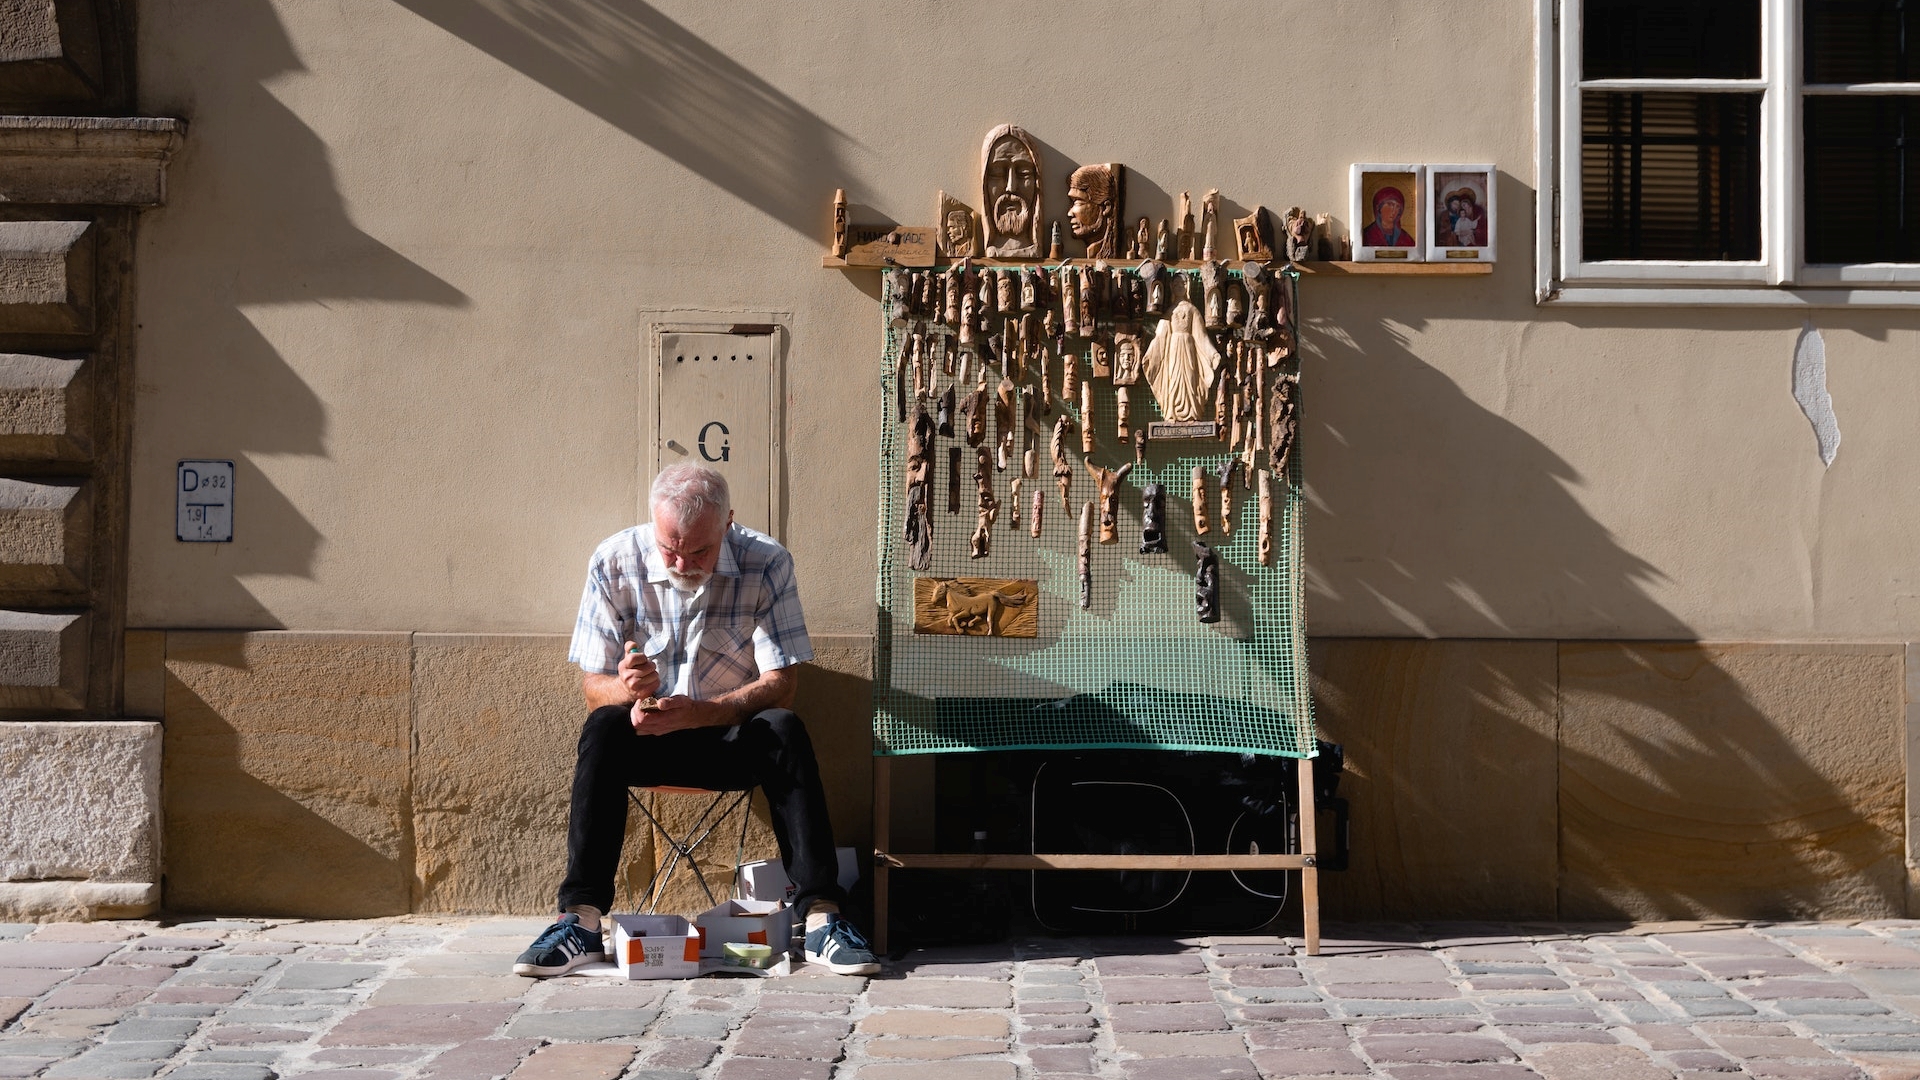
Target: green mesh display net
{"points": [[1136, 669]]}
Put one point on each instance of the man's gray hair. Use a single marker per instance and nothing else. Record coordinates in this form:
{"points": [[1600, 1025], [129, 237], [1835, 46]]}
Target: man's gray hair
{"points": [[692, 491]]}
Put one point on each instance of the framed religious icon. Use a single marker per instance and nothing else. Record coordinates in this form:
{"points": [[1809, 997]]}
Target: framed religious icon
{"points": [[1459, 218], [1385, 213]]}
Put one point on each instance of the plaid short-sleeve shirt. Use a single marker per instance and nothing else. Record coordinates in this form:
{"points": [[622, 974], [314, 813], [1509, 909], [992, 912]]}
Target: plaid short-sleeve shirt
{"points": [[745, 620]]}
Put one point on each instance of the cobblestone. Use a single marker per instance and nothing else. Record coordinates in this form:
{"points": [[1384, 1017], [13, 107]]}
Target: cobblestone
{"points": [[430, 999]]}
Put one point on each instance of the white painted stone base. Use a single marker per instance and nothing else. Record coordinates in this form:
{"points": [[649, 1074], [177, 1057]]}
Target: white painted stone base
{"points": [[68, 901], [80, 835]]}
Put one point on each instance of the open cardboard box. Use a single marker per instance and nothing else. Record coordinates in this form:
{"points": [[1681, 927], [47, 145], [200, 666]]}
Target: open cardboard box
{"points": [[752, 922], [655, 947], [767, 879]]}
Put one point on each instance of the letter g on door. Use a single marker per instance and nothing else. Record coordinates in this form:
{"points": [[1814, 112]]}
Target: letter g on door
{"points": [[707, 453]]}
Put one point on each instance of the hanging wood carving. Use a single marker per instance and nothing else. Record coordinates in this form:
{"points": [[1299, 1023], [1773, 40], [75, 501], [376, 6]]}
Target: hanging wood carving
{"points": [[1010, 187], [976, 607], [1094, 208]]}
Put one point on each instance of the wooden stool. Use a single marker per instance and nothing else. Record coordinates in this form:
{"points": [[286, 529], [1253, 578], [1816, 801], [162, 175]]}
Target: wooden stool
{"points": [[683, 847]]}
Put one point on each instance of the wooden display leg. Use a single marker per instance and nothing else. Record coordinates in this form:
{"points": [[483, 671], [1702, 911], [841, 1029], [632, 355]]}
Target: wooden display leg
{"points": [[883, 845], [1309, 853]]}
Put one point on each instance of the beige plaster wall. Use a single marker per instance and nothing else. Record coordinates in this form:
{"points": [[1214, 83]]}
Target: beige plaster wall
{"points": [[401, 273]]}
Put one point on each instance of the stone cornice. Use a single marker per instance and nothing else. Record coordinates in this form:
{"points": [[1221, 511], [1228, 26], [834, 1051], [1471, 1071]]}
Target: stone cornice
{"points": [[87, 160]]}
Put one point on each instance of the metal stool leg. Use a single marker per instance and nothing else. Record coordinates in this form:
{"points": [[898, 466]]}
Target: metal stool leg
{"points": [[684, 848]]}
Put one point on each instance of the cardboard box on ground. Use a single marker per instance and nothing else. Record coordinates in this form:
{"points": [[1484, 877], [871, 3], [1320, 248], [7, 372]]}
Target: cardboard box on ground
{"points": [[767, 879], [668, 947]]}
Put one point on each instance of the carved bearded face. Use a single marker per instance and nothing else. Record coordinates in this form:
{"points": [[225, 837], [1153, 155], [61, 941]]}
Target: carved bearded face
{"points": [[1012, 182]]}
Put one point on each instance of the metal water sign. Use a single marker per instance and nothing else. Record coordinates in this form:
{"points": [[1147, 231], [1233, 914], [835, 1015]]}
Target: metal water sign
{"points": [[203, 494]]}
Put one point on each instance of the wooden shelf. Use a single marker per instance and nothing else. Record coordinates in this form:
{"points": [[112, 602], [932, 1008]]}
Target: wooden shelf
{"points": [[1307, 269]]}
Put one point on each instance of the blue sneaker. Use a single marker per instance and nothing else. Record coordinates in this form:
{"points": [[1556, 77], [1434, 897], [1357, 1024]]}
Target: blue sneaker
{"points": [[841, 949], [559, 949]]}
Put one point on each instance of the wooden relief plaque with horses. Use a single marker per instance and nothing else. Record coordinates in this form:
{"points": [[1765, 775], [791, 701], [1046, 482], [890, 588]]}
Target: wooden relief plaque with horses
{"points": [[976, 607]]}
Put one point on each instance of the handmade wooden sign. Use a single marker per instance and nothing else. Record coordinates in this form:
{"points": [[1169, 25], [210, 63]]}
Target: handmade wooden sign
{"points": [[976, 607], [890, 245]]}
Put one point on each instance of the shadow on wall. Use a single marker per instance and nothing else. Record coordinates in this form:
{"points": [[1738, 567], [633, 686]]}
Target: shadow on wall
{"points": [[1534, 778], [647, 75], [254, 183]]}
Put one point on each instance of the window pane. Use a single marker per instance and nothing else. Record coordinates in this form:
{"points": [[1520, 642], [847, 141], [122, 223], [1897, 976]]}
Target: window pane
{"points": [[1670, 176], [1670, 39], [1850, 41], [1863, 179]]}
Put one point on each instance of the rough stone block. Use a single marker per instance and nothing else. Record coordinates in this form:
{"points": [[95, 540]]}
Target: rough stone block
{"points": [[43, 660], [86, 160], [44, 533], [287, 751], [46, 408], [82, 800], [496, 717], [1450, 771], [1732, 781], [46, 277], [49, 52]]}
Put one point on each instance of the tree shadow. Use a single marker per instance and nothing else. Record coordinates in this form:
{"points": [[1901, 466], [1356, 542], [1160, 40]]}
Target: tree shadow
{"points": [[650, 77], [1533, 775], [255, 232]]}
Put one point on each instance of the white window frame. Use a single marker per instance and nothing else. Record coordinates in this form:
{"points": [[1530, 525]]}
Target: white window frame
{"points": [[1778, 278]]}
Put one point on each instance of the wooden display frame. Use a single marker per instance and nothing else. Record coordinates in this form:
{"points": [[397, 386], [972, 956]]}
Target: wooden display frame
{"points": [[886, 860]]}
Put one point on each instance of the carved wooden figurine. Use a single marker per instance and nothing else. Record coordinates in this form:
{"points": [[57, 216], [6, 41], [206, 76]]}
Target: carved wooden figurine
{"points": [[1140, 447], [953, 479], [1199, 501], [1003, 407], [1163, 249], [969, 319], [1213, 275], [1227, 469], [919, 523], [1209, 217], [1129, 353], [1013, 504], [1266, 518], [1086, 556], [1142, 240], [1089, 297], [1181, 364], [951, 316], [1299, 230], [945, 422], [1236, 301], [1031, 290], [1069, 293], [1062, 472], [1253, 236], [1206, 583], [981, 544], [1107, 486], [1069, 377], [1154, 279], [1053, 243], [1259, 283], [1010, 190], [840, 223], [956, 233], [1185, 248], [1086, 418], [1098, 357], [1285, 424], [1122, 415], [1153, 519], [1039, 507], [974, 410], [1094, 198]]}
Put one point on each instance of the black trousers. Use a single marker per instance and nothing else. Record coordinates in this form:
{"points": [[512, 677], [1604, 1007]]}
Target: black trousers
{"points": [[772, 749]]}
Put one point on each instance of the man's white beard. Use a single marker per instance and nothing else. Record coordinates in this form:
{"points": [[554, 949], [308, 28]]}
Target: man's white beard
{"points": [[688, 583]]}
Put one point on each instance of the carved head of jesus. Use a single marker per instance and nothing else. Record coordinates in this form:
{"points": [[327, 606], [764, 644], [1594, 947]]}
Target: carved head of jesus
{"points": [[1010, 192]]}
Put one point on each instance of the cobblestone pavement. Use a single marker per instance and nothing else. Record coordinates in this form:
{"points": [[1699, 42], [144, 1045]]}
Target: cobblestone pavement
{"points": [[417, 997]]}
